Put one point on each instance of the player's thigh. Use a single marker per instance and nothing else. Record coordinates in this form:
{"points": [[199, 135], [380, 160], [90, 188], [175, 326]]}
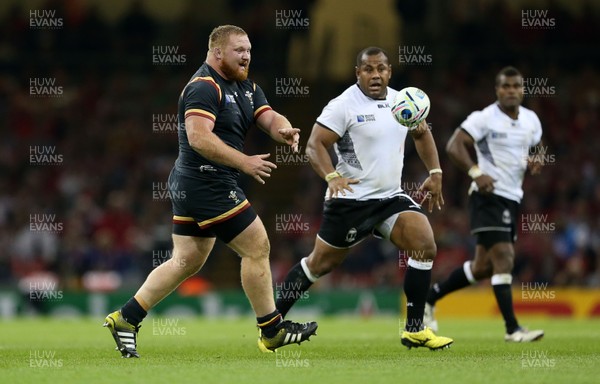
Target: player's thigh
{"points": [[324, 258], [412, 232], [191, 251], [252, 241]]}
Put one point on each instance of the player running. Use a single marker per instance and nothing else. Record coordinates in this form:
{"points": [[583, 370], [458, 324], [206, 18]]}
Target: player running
{"points": [[364, 195], [502, 135], [216, 109]]}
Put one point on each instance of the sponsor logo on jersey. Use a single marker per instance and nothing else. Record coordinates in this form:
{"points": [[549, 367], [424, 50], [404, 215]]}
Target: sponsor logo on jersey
{"points": [[207, 168], [386, 105], [365, 118], [498, 135]]}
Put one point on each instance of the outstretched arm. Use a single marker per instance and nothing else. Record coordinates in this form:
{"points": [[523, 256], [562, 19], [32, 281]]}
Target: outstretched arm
{"points": [[279, 128]]}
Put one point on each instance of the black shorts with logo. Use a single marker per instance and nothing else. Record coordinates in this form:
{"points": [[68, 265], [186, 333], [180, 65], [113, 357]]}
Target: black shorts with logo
{"points": [[208, 208], [493, 213], [346, 222]]}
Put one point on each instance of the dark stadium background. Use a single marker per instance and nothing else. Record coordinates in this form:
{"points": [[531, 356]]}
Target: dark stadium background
{"points": [[98, 89]]}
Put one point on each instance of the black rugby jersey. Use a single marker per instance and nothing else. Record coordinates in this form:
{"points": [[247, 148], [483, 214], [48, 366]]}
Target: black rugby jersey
{"points": [[232, 105]]}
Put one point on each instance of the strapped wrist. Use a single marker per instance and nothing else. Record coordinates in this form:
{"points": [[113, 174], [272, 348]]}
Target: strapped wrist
{"points": [[435, 170], [475, 172], [332, 175]]}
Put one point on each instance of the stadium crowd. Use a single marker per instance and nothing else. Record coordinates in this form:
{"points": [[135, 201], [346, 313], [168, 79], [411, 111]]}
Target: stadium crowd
{"points": [[85, 158]]}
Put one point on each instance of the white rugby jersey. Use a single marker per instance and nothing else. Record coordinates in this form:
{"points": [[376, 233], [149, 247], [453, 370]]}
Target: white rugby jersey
{"points": [[502, 146], [371, 144]]}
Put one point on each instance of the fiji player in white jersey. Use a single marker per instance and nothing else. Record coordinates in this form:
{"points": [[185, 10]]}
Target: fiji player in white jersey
{"points": [[503, 135], [364, 194]]}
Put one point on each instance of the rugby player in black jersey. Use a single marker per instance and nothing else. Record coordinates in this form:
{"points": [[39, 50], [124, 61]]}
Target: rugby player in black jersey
{"points": [[216, 108]]}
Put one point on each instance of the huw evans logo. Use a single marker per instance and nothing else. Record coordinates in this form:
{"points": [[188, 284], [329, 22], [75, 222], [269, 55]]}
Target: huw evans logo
{"points": [[168, 327], [536, 223], [537, 19], [538, 87], [291, 223], [164, 191], [167, 55], [414, 55], [290, 359], [165, 122], [44, 222], [290, 291], [537, 291], [44, 155], [44, 291], [44, 359], [44, 87], [291, 87], [285, 155], [44, 19], [538, 153], [536, 359], [290, 19]]}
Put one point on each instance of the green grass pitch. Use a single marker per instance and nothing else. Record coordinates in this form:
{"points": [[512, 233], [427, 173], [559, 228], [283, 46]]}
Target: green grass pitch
{"points": [[347, 350]]}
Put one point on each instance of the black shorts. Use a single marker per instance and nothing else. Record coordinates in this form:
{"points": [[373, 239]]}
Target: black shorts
{"points": [[207, 208], [346, 222], [493, 213]]}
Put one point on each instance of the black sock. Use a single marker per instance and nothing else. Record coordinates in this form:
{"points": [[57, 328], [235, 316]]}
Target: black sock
{"points": [[268, 323], [454, 282], [416, 282], [293, 287], [504, 299], [133, 312]]}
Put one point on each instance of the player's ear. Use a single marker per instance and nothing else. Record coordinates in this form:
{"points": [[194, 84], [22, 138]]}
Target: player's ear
{"points": [[357, 71], [217, 52]]}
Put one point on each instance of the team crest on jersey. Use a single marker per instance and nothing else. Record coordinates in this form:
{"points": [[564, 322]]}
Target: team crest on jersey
{"points": [[249, 95], [506, 217], [351, 235], [229, 99], [365, 118], [233, 196]]}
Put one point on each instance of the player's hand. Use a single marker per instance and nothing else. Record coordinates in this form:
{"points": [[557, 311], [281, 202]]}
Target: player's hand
{"points": [[291, 137], [339, 185], [420, 129], [257, 167], [432, 186], [485, 184], [535, 164]]}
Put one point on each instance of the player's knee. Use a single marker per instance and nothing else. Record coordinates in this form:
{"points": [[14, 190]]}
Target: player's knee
{"points": [[260, 249], [425, 251], [481, 271], [503, 261], [187, 262], [430, 251]]}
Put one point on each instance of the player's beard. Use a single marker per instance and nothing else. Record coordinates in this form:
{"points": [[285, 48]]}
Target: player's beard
{"points": [[233, 73]]}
